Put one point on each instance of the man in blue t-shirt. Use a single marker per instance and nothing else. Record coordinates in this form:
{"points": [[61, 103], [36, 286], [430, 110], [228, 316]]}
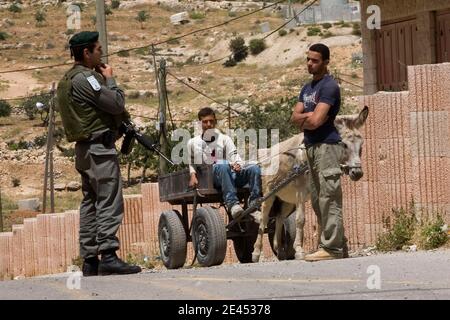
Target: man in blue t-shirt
{"points": [[317, 107]]}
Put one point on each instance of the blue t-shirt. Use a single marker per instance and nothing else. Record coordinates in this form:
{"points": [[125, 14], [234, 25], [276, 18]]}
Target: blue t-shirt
{"points": [[324, 90]]}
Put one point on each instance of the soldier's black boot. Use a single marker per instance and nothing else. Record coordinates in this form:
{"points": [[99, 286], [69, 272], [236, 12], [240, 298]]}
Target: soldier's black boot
{"points": [[90, 267], [111, 264]]}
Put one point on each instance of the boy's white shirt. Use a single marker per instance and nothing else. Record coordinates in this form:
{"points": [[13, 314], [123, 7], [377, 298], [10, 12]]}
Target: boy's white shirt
{"points": [[199, 150]]}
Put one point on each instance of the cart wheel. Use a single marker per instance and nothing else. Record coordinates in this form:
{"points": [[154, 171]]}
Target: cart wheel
{"points": [[209, 236], [172, 239], [287, 250], [243, 246]]}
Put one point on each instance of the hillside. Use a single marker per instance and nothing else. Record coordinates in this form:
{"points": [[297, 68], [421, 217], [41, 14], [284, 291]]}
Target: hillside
{"points": [[277, 72]]}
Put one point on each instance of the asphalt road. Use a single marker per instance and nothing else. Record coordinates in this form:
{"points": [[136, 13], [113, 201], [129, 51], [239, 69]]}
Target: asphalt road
{"points": [[403, 275]]}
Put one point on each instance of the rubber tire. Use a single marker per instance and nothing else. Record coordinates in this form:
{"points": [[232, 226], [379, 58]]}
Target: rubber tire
{"points": [[243, 246], [174, 233], [208, 220], [288, 231]]}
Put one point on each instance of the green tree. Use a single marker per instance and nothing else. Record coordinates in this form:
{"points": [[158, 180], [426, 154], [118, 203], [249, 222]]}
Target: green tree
{"points": [[5, 109], [142, 16], [273, 115], [239, 51]]}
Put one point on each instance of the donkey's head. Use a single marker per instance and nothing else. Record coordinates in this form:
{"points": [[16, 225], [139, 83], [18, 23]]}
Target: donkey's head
{"points": [[348, 127]]}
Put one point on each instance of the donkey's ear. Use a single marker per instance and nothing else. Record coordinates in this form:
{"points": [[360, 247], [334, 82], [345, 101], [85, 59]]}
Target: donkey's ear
{"points": [[362, 117]]}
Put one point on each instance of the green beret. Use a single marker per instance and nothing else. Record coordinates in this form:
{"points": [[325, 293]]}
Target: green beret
{"points": [[83, 38]]}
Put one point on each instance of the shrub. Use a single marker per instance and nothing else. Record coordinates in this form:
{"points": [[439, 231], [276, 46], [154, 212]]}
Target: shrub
{"points": [[5, 109], [15, 182], [400, 233], [313, 31], [108, 10], [15, 8], [39, 17], [40, 141], [94, 20], [239, 49], [142, 16], [282, 33], [432, 233], [327, 34], [3, 35], [195, 15], [21, 145], [115, 4], [232, 14], [326, 25], [257, 46]]}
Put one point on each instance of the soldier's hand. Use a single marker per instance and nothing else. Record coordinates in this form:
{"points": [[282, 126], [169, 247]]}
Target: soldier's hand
{"points": [[105, 70]]}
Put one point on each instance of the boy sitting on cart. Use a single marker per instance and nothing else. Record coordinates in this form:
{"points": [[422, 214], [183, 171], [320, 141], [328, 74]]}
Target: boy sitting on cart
{"points": [[218, 149]]}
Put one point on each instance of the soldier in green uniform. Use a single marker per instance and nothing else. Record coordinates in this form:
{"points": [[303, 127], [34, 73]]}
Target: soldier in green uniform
{"points": [[92, 108]]}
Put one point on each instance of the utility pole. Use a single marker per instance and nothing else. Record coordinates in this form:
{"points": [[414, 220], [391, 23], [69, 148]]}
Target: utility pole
{"points": [[49, 157], [101, 27], [162, 114]]}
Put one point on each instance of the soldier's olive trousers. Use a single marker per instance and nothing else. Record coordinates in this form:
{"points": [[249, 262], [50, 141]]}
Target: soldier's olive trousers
{"points": [[101, 209], [326, 194]]}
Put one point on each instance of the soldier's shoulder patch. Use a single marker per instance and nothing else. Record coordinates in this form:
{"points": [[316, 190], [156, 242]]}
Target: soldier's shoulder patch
{"points": [[94, 83]]}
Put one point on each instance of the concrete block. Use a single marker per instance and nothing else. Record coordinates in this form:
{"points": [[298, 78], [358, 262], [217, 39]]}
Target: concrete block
{"points": [[73, 186], [32, 204], [265, 26], [179, 18], [429, 133]]}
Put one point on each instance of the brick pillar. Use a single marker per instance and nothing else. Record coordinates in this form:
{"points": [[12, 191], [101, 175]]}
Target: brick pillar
{"points": [[44, 243], [18, 250], [30, 246], [6, 255], [131, 231]]}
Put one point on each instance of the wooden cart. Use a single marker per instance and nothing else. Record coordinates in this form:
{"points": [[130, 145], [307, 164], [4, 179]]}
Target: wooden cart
{"points": [[207, 229]]}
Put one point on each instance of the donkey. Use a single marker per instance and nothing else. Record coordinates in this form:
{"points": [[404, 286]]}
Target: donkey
{"points": [[296, 193]]}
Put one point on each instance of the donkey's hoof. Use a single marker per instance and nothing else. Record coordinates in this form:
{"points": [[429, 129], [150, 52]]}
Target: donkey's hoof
{"points": [[299, 256], [255, 257]]}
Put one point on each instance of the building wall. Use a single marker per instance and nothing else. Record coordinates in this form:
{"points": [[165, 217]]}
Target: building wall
{"points": [[424, 13]]}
